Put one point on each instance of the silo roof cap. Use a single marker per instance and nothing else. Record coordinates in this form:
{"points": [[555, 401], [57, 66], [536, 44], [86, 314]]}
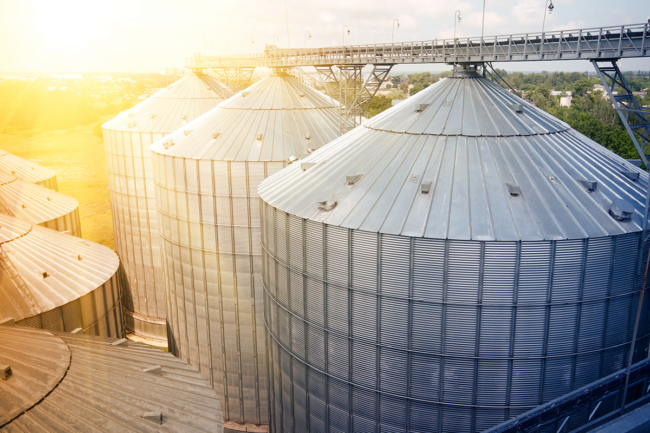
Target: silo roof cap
{"points": [[466, 167], [32, 203], [275, 118], [172, 107], [24, 169]]}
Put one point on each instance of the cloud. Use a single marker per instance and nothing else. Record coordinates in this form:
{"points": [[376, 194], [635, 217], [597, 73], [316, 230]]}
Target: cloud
{"points": [[326, 16]]}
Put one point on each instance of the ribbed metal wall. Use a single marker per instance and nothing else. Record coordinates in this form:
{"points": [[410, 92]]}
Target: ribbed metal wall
{"points": [[210, 231], [375, 332], [127, 139], [68, 223], [96, 313], [130, 182], [27, 170]]}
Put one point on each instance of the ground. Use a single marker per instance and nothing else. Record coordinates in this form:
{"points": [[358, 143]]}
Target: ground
{"points": [[78, 158]]}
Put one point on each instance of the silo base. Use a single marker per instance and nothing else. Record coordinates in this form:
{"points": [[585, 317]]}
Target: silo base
{"points": [[144, 329], [235, 427]]}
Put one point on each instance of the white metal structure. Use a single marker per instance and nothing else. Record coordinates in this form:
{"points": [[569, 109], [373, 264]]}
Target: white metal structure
{"points": [[130, 180], [206, 177]]}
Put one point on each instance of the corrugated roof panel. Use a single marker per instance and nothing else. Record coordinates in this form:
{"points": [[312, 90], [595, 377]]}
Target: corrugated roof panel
{"points": [[105, 388], [477, 144], [27, 170]]}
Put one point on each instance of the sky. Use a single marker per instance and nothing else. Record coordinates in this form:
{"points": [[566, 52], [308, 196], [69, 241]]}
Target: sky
{"points": [[76, 36]]}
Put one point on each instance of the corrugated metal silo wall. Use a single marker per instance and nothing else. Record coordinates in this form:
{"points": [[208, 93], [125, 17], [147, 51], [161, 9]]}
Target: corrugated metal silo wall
{"points": [[68, 223], [50, 183], [210, 236], [96, 313], [130, 181], [370, 332]]}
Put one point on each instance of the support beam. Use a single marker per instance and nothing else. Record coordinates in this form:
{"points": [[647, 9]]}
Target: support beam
{"points": [[234, 79], [353, 91], [491, 74], [634, 118]]}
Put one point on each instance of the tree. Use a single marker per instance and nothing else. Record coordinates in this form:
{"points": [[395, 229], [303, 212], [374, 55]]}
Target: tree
{"points": [[418, 88], [582, 86]]}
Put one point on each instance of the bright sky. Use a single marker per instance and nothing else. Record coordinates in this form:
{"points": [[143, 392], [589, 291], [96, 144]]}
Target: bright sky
{"points": [[149, 35]]}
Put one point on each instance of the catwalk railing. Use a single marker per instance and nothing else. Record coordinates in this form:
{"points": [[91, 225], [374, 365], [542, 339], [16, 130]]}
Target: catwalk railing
{"points": [[623, 41], [593, 405]]}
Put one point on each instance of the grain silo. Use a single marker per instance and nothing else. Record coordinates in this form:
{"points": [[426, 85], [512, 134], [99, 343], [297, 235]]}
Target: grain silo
{"points": [[68, 383], [39, 205], [206, 177], [455, 261], [27, 170], [127, 139], [58, 282]]}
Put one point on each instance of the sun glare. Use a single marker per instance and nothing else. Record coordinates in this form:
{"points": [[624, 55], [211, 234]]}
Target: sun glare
{"points": [[67, 25]]}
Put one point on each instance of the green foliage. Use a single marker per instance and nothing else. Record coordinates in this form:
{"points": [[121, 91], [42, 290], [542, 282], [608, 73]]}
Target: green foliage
{"points": [[582, 86], [418, 88], [383, 102]]}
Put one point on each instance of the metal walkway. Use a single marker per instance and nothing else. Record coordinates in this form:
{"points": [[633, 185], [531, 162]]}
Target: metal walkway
{"points": [[624, 41]]}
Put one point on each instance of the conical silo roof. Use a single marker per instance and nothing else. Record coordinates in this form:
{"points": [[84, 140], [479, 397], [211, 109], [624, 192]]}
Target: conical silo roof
{"points": [[64, 382], [38, 205], [274, 119], [465, 159], [27, 170], [172, 107], [42, 270], [127, 141]]}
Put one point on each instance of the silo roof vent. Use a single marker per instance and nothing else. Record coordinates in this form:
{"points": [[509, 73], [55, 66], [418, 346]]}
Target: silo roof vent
{"points": [[292, 158], [517, 108], [153, 116], [421, 107], [154, 369], [589, 184], [154, 416], [216, 135], [513, 189], [258, 137], [307, 165], [352, 179], [245, 94], [395, 101], [187, 131], [307, 136], [131, 124], [425, 187], [620, 210], [301, 94], [167, 144], [634, 175], [5, 372], [327, 201]]}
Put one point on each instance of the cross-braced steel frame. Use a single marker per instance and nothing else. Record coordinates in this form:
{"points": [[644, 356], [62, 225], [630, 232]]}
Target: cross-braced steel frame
{"points": [[233, 78], [354, 91]]}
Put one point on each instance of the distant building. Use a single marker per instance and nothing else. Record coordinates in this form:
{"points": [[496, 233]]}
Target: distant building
{"points": [[559, 93], [565, 101], [103, 77], [125, 80], [67, 76]]}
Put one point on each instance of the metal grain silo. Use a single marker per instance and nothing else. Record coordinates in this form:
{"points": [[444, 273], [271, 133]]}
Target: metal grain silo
{"points": [[127, 139], [39, 205], [206, 177], [27, 170], [58, 282], [455, 261], [70, 383]]}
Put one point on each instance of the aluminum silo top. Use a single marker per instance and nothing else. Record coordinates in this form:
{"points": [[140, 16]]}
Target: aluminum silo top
{"points": [[76, 383], [24, 169], [45, 269], [274, 119], [448, 163], [32, 203], [172, 107]]}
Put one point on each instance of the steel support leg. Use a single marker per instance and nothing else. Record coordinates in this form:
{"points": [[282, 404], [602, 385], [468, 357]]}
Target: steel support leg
{"points": [[634, 119], [490, 73], [353, 92], [234, 79]]}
